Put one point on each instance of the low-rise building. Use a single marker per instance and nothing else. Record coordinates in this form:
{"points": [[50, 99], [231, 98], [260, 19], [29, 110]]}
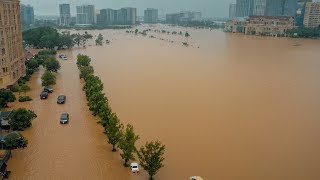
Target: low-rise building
{"points": [[236, 25], [269, 25], [183, 17]]}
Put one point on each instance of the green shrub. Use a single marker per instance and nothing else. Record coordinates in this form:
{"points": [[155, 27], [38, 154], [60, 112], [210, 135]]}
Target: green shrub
{"points": [[15, 88], [24, 98]]}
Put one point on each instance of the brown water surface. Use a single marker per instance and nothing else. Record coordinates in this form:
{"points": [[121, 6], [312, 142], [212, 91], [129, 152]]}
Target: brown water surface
{"points": [[236, 108]]}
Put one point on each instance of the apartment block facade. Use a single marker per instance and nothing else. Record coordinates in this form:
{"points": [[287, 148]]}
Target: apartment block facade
{"points": [[151, 15], [65, 15], [85, 15], [312, 14], [12, 64]]}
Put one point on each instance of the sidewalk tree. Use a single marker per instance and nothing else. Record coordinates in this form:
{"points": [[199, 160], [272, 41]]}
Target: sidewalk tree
{"points": [[85, 71], [48, 78], [113, 131], [52, 64], [6, 96], [127, 144], [151, 157], [83, 60], [24, 88], [21, 119]]}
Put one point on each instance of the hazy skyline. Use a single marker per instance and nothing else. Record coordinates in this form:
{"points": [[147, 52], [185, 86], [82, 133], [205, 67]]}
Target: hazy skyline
{"points": [[209, 8]]}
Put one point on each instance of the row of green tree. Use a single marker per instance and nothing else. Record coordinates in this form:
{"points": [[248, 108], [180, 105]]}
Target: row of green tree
{"points": [[48, 37], [150, 156], [304, 32]]}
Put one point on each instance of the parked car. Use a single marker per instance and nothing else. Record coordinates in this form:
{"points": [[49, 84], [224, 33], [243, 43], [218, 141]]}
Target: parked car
{"points": [[44, 95], [61, 99], [134, 167], [48, 89], [64, 118], [65, 58], [61, 56]]}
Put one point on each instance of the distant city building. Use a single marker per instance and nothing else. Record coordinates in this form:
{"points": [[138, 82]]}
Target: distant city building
{"points": [[232, 11], [12, 65], [151, 15], [65, 15], [281, 8], [269, 25], [85, 15], [27, 15], [312, 14], [183, 16], [301, 4], [123, 16], [244, 8], [259, 7]]}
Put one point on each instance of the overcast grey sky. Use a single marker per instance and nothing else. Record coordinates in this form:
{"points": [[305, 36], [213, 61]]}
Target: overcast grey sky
{"points": [[209, 8]]}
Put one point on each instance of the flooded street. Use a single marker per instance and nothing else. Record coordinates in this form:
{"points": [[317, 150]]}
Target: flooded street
{"points": [[78, 150], [236, 108]]}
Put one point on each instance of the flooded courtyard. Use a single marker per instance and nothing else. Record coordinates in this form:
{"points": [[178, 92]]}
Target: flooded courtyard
{"points": [[228, 107]]}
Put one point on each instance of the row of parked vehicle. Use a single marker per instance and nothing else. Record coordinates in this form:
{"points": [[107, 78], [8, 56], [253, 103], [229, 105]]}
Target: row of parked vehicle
{"points": [[64, 118]]}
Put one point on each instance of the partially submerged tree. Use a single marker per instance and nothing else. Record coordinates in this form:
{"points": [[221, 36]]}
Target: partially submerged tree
{"points": [[151, 157], [113, 131], [48, 78], [127, 144], [21, 119], [24, 88], [99, 40], [14, 140], [6, 96], [52, 64], [83, 60]]}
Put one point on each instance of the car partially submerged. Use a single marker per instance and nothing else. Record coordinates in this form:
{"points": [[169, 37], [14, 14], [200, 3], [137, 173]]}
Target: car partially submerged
{"points": [[64, 118], [48, 89], [134, 167], [44, 95], [195, 178], [61, 99]]}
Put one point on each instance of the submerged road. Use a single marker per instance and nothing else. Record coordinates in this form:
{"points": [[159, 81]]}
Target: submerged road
{"points": [[78, 150]]}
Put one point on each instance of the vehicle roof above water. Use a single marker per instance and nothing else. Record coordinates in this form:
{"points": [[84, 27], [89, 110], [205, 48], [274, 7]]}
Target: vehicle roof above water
{"points": [[64, 115], [134, 164], [61, 96]]}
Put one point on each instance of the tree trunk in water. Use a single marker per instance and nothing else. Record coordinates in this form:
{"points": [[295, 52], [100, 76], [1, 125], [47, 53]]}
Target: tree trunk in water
{"points": [[151, 177], [114, 148], [125, 163]]}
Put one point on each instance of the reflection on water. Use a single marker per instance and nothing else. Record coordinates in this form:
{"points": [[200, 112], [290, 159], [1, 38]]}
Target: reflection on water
{"points": [[237, 108]]}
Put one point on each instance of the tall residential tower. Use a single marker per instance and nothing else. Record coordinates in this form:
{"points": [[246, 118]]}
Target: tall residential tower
{"points": [[27, 15], [12, 65], [151, 15], [65, 16], [85, 15]]}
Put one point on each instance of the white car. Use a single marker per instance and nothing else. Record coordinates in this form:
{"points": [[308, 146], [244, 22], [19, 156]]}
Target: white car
{"points": [[134, 167]]}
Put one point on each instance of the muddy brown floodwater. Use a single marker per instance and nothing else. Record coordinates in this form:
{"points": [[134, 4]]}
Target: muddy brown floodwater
{"points": [[236, 108]]}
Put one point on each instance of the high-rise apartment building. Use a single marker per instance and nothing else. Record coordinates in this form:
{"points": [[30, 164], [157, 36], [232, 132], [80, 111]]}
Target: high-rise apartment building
{"points": [[232, 11], [299, 18], [12, 64], [244, 8], [27, 15], [312, 14], [65, 15], [123, 16], [281, 8], [85, 15], [259, 7], [151, 15]]}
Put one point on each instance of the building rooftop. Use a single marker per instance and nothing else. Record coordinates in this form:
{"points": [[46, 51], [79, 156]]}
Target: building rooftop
{"points": [[283, 18]]}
